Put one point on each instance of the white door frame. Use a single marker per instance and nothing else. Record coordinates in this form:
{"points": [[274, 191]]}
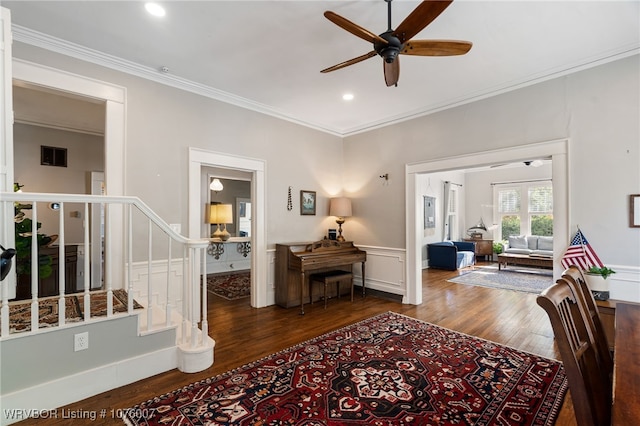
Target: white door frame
{"points": [[556, 149], [199, 158], [114, 142]]}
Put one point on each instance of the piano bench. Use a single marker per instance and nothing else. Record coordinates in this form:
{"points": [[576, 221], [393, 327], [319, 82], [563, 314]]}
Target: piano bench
{"points": [[330, 277]]}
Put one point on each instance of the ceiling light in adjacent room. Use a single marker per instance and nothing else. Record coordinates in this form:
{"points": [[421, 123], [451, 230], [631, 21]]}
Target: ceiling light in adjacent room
{"points": [[155, 9], [347, 97]]}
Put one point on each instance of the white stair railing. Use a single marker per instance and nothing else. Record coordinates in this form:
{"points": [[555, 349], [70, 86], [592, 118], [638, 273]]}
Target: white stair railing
{"points": [[123, 249]]}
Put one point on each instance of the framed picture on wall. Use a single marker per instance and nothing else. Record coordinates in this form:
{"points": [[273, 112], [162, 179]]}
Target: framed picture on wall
{"points": [[308, 202], [429, 212]]}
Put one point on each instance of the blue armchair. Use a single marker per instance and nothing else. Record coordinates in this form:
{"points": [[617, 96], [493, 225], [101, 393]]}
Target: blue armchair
{"points": [[451, 255]]}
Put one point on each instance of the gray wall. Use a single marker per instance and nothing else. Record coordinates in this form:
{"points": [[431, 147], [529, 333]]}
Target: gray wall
{"points": [[163, 122], [597, 109], [85, 153]]}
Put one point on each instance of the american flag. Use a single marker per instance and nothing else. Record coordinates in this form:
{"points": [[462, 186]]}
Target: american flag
{"points": [[580, 254]]}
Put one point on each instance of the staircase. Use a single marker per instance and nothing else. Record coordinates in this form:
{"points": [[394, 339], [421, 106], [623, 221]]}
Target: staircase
{"points": [[125, 246]]}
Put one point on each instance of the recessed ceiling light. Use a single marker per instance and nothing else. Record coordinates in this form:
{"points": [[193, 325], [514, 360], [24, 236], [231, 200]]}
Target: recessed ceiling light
{"points": [[155, 9], [347, 96]]}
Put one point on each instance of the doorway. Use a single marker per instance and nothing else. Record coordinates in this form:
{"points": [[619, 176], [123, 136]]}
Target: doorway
{"points": [[556, 150], [200, 159]]}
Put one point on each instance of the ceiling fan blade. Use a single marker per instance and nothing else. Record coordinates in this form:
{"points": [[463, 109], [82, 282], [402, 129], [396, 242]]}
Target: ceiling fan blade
{"points": [[421, 16], [436, 47], [392, 72], [354, 29], [350, 62]]}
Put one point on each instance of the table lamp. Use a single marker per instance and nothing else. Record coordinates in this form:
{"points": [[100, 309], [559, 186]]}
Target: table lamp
{"points": [[225, 216], [341, 208]]}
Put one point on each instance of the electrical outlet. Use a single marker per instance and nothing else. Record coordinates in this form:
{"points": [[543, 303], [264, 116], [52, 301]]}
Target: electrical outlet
{"points": [[81, 341]]}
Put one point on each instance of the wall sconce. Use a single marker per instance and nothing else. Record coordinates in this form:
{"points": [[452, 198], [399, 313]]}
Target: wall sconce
{"points": [[341, 208], [216, 185]]}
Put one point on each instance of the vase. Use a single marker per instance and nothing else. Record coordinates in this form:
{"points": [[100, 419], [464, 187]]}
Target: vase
{"points": [[598, 285]]}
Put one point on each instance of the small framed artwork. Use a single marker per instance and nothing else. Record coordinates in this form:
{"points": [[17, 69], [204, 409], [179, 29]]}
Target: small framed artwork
{"points": [[308, 203], [634, 210], [429, 212]]}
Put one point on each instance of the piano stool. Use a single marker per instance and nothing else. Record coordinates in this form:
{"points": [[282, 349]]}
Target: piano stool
{"points": [[330, 277]]}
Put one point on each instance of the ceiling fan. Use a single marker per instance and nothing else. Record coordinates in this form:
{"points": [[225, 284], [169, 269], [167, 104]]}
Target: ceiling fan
{"points": [[391, 43]]}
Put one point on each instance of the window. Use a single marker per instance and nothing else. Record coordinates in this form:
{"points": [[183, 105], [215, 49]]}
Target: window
{"points": [[452, 209], [524, 209]]}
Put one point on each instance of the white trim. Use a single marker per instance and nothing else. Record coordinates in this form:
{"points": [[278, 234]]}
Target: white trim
{"points": [[556, 149], [259, 265], [69, 389], [44, 41]]}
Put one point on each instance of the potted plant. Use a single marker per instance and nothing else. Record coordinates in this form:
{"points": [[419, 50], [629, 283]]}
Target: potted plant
{"points": [[23, 229], [498, 247], [598, 281]]}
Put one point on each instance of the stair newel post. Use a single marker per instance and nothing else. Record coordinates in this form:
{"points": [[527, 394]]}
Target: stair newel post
{"points": [[35, 321], [193, 288], [167, 304], [62, 285], [130, 257], [149, 271], [87, 265], [203, 314]]}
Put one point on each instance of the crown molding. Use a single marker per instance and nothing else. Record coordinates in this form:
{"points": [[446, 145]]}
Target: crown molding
{"points": [[57, 45], [44, 41]]}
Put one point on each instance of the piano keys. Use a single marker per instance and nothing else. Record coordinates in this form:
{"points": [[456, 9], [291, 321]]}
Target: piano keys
{"points": [[296, 261]]}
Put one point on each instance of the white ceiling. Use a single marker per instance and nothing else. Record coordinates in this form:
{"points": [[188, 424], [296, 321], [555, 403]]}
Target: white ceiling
{"points": [[267, 55]]}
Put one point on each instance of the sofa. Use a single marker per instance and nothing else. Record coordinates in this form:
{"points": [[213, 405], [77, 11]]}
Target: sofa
{"points": [[451, 255], [532, 245]]}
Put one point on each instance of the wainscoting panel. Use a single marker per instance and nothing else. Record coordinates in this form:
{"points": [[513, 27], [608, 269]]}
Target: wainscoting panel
{"points": [[140, 278], [385, 270], [625, 283]]}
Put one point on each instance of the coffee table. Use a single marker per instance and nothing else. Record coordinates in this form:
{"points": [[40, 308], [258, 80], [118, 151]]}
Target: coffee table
{"points": [[524, 260]]}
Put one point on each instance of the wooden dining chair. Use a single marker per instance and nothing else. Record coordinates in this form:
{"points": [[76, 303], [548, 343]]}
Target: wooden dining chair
{"points": [[575, 277], [589, 383]]}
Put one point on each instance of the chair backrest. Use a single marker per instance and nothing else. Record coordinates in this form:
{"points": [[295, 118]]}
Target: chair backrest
{"points": [[589, 384], [574, 275]]}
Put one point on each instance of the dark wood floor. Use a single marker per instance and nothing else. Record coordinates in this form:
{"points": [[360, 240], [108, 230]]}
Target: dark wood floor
{"points": [[244, 334]]}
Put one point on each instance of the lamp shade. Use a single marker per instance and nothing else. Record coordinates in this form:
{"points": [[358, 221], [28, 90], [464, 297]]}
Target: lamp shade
{"points": [[213, 214], [225, 213], [340, 207]]}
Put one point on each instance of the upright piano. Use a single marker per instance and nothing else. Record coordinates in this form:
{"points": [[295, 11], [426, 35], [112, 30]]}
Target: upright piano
{"points": [[296, 261]]}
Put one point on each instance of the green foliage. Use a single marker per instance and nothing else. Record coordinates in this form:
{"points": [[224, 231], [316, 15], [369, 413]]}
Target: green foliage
{"points": [[604, 271], [23, 226], [542, 225], [498, 246], [510, 226]]}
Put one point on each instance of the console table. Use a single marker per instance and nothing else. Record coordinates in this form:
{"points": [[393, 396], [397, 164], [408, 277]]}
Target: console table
{"points": [[483, 247]]}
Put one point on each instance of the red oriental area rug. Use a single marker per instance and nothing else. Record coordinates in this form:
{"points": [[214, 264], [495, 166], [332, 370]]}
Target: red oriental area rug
{"points": [[386, 370], [230, 286]]}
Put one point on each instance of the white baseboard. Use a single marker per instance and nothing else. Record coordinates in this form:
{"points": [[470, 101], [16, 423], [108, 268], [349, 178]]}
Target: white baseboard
{"points": [[42, 400]]}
